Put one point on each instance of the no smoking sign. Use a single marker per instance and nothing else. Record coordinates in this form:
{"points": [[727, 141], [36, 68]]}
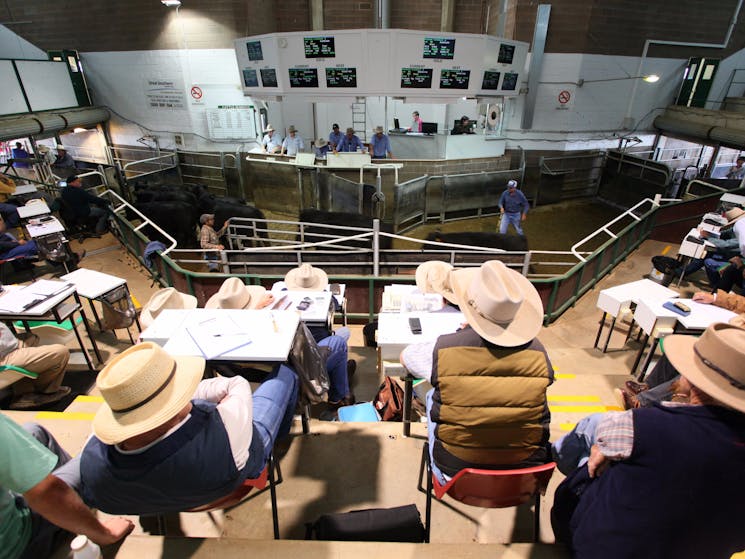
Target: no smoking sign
{"points": [[196, 92], [564, 97]]}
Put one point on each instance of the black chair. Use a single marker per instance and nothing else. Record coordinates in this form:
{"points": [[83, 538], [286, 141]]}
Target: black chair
{"points": [[80, 228]]}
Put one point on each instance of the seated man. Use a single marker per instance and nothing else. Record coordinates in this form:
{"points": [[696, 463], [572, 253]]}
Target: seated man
{"points": [[309, 278], [664, 481], [10, 247], [165, 442], [80, 201], [38, 509], [48, 361], [488, 406]]}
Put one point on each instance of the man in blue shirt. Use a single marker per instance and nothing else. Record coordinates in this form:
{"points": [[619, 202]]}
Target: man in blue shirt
{"points": [[380, 145], [513, 205], [350, 142], [335, 137]]}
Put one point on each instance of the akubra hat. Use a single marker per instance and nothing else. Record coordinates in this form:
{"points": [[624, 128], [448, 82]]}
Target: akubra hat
{"points": [[167, 298], [500, 304], [143, 387], [306, 277], [321, 142], [733, 215], [234, 294], [715, 362], [433, 276]]}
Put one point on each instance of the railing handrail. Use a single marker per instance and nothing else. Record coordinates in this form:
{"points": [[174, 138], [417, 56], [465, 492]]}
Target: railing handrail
{"points": [[704, 184]]}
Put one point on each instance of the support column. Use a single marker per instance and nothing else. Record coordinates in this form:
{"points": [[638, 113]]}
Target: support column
{"points": [[316, 14]]}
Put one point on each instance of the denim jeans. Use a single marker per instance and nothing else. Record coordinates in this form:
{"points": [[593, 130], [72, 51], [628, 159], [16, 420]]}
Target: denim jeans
{"points": [[273, 409], [514, 219], [102, 216], [336, 366], [28, 249], [573, 450], [431, 425]]}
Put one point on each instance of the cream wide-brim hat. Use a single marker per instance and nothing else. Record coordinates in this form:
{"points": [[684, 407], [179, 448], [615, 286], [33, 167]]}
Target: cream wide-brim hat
{"points": [[306, 277], [167, 298], [501, 305], [733, 215], [143, 387], [321, 142], [433, 276], [234, 294], [715, 362]]}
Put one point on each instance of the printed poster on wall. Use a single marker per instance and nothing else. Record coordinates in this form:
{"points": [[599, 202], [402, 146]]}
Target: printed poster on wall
{"points": [[164, 93]]}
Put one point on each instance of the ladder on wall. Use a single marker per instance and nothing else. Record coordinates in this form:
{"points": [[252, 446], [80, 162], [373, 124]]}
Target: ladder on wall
{"points": [[359, 118]]}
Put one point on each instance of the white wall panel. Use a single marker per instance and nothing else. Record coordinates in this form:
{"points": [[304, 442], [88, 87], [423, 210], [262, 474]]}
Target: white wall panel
{"points": [[11, 98], [47, 84]]}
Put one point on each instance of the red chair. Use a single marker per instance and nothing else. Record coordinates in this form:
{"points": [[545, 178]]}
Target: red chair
{"points": [[489, 488], [271, 475]]}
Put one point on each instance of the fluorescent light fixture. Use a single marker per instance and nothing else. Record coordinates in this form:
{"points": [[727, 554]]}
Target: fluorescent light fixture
{"points": [[171, 3], [76, 130], [651, 78]]}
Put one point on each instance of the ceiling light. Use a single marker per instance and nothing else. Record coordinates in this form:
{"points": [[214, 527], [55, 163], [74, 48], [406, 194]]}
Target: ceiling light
{"points": [[171, 3], [76, 130], [651, 78]]}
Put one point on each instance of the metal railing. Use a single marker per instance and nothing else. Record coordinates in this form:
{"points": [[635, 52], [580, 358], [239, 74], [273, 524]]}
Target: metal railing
{"points": [[649, 170]]}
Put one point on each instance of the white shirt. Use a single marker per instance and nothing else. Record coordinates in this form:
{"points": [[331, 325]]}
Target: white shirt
{"points": [[270, 143], [739, 230], [293, 145]]}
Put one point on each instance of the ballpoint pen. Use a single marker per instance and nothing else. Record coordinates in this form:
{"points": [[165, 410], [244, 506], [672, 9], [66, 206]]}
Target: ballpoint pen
{"points": [[274, 323]]}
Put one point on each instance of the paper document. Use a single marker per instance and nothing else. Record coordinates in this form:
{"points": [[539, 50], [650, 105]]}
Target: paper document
{"points": [[20, 300], [216, 336], [47, 288]]}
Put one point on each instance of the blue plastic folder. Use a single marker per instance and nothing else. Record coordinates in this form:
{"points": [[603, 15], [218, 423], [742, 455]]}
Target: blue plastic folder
{"points": [[364, 412]]}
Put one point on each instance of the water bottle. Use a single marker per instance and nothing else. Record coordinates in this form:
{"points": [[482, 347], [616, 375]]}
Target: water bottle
{"points": [[83, 548]]}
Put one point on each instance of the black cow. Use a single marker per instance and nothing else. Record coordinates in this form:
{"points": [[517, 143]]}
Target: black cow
{"points": [[341, 219], [146, 196], [516, 243], [224, 210], [175, 217]]}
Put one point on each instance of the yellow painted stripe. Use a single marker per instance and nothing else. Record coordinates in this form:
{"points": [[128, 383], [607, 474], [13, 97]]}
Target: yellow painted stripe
{"points": [[578, 409], [561, 398], [564, 375], [71, 416], [614, 408], [567, 426], [85, 398], [740, 555], [666, 249]]}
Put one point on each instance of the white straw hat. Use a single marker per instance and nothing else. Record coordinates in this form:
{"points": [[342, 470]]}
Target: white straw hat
{"points": [[500, 304], [234, 294], [162, 299], [433, 276], [307, 277], [143, 387]]}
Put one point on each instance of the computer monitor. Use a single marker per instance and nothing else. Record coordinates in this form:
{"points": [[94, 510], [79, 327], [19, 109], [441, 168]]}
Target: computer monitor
{"points": [[429, 127], [396, 124]]}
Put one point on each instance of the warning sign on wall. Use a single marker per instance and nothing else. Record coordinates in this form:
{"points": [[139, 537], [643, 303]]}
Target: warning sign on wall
{"points": [[164, 94], [563, 98]]}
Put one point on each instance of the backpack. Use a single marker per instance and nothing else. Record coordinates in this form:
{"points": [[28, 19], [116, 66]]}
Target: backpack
{"points": [[399, 524], [389, 401]]}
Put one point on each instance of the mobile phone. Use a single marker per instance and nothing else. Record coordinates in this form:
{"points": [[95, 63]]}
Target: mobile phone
{"points": [[304, 304], [415, 325]]}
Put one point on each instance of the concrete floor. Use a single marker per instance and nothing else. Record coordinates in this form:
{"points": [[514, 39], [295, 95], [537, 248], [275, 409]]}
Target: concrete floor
{"points": [[342, 467]]}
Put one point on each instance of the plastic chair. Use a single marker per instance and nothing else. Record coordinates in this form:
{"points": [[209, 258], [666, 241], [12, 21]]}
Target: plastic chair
{"points": [[271, 475], [489, 488]]}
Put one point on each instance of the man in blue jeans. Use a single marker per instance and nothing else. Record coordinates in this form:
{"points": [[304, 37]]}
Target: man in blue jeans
{"points": [[513, 207], [166, 442]]}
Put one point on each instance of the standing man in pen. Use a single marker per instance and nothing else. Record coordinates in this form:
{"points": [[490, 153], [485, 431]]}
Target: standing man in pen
{"points": [[513, 207], [380, 145]]}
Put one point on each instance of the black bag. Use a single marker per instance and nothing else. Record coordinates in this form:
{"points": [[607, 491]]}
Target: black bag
{"points": [[368, 331], [309, 362], [399, 524]]}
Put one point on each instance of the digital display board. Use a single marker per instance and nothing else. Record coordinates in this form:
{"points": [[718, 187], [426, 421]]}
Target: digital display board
{"points": [[439, 48], [303, 77], [506, 53], [250, 78], [268, 77], [341, 77], [417, 78], [491, 80], [254, 51], [454, 79], [319, 47], [510, 81]]}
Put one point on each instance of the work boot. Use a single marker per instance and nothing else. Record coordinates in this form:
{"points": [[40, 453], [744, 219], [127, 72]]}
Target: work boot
{"points": [[38, 399]]}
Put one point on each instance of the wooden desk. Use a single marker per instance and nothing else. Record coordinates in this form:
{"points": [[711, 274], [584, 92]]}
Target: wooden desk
{"points": [[93, 285], [657, 322], [55, 309], [615, 300], [394, 335]]}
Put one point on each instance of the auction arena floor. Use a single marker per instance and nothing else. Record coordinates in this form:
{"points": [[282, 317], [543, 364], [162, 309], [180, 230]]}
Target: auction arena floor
{"points": [[341, 467]]}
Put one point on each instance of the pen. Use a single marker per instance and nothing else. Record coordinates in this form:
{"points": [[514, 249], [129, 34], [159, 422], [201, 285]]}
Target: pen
{"points": [[274, 323]]}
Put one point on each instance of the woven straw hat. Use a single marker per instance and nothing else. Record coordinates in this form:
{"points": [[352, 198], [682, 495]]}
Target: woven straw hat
{"points": [[433, 276], [306, 277], [500, 304], [234, 294], [162, 299], [143, 387]]}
